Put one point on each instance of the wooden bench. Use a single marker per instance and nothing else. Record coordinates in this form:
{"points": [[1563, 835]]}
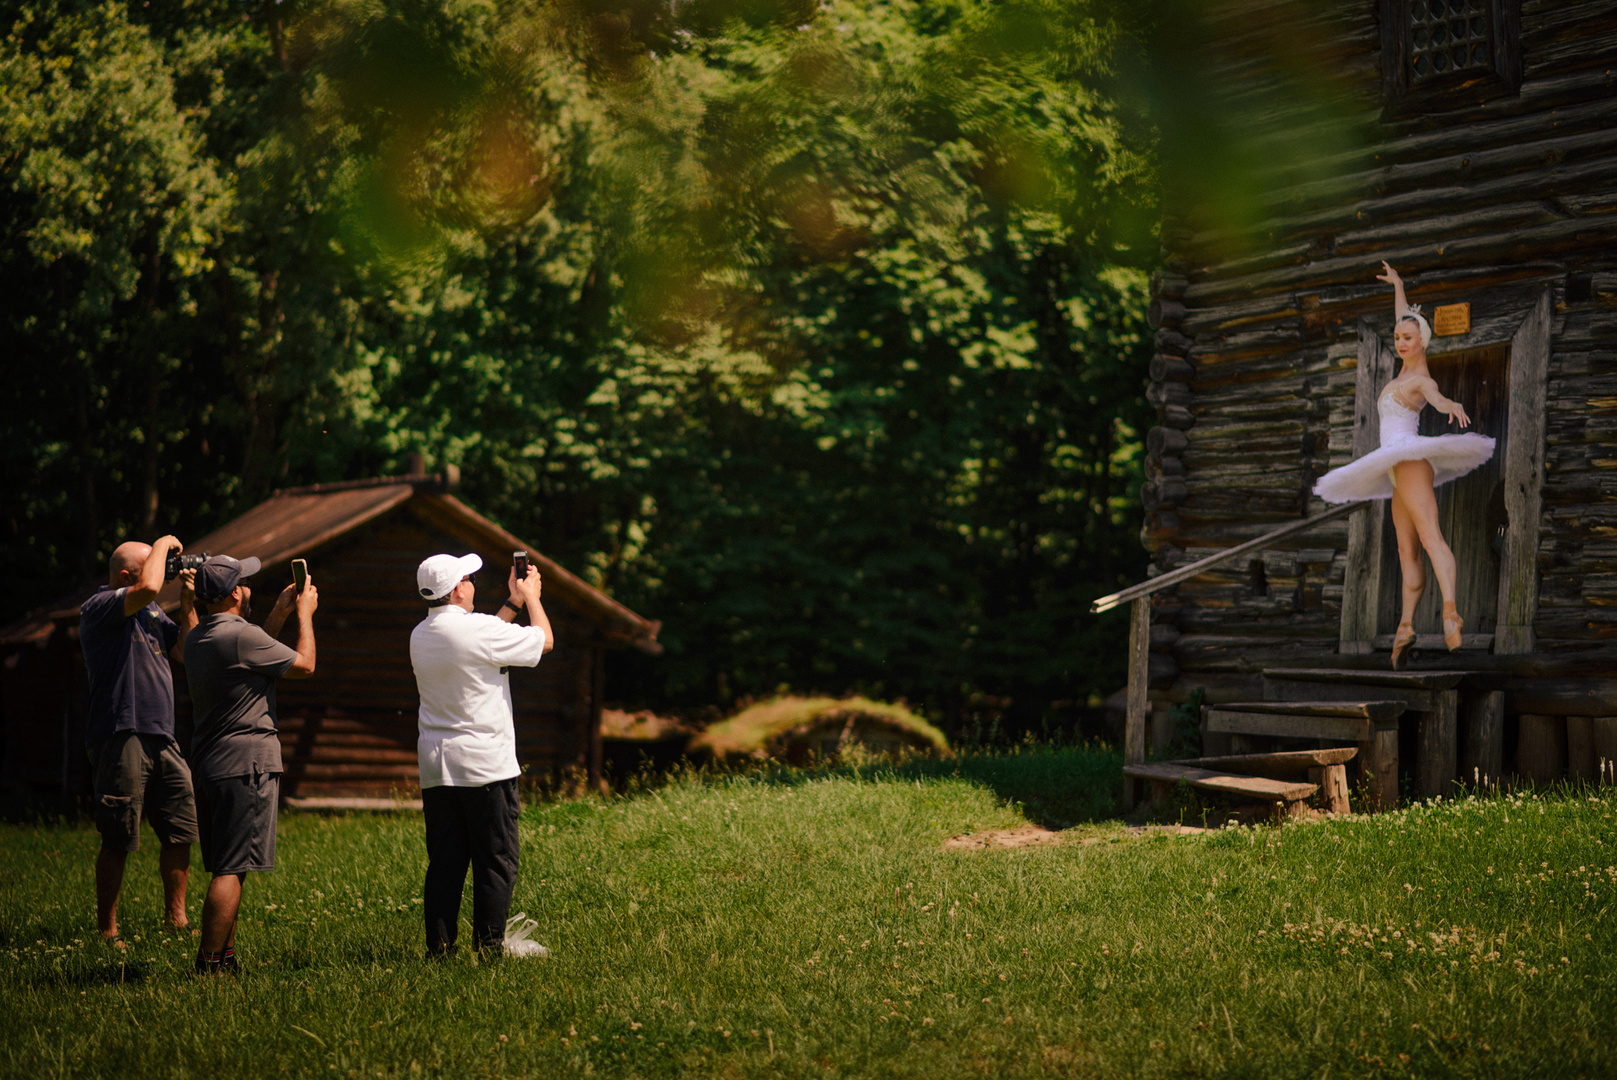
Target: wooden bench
{"points": [[1283, 779], [1372, 726], [1285, 796], [1326, 767]]}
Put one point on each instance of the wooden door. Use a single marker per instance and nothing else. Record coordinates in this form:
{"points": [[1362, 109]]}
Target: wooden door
{"points": [[1470, 510]]}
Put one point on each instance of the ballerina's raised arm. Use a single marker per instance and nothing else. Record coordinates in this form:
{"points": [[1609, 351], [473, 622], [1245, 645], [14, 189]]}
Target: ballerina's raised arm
{"points": [[1399, 305]]}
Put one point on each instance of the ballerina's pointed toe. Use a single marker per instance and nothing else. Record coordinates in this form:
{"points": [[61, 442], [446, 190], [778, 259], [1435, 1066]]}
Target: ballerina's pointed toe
{"points": [[1452, 626], [1401, 641]]}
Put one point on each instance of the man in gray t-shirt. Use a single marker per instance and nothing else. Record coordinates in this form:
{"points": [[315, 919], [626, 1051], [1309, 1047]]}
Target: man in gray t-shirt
{"points": [[231, 668]]}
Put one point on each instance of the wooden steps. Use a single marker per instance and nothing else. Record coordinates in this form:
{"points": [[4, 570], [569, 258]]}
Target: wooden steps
{"points": [[1360, 708], [1340, 721], [1419, 690], [1431, 720], [1285, 797], [1269, 778], [1279, 765]]}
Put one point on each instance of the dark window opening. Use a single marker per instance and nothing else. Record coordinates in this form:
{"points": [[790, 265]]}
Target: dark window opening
{"points": [[1580, 288], [1260, 578]]}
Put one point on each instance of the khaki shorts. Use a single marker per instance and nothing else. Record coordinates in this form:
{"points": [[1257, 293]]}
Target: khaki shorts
{"points": [[132, 774]]}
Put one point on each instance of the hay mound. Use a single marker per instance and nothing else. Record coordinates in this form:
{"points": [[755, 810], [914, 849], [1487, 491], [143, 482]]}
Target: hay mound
{"points": [[796, 730]]}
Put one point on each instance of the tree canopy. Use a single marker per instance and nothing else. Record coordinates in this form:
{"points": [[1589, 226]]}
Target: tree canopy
{"points": [[814, 330]]}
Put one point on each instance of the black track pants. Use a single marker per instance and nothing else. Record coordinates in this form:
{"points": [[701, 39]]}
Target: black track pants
{"points": [[476, 827]]}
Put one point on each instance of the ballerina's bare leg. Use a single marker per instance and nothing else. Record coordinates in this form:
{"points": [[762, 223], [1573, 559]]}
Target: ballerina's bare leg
{"points": [[1414, 510], [1409, 559]]}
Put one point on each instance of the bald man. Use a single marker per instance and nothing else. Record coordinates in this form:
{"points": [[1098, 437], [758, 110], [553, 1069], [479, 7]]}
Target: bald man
{"points": [[129, 731]]}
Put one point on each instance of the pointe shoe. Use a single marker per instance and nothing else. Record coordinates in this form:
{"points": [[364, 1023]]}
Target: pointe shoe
{"points": [[1452, 625], [1402, 639]]}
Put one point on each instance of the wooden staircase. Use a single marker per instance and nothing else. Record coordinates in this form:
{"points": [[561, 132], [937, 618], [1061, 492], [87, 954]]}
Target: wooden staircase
{"points": [[1284, 779], [1361, 708]]}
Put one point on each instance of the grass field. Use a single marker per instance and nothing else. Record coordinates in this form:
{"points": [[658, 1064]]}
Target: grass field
{"points": [[813, 924]]}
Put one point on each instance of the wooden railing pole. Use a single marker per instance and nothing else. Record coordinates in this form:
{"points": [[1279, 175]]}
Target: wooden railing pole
{"points": [[1139, 703], [1202, 565]]}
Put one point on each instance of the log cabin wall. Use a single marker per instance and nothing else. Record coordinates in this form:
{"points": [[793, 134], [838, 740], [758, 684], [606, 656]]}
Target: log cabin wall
{"points": [[1496, 202]]}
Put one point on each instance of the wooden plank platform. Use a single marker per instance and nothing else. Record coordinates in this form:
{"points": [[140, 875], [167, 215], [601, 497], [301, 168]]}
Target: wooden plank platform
{"points": [[1283, 761], [1378, 712], [1302, 690], [1254, 787], [1404, 680], [1356, 729]]}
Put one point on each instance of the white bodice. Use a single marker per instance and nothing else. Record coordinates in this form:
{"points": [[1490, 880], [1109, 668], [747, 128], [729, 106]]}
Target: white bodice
{"points": [[1398, 421]]}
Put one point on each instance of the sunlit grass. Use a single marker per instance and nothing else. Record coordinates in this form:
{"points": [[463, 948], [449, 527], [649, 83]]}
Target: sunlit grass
{"points": [[812, 923]]}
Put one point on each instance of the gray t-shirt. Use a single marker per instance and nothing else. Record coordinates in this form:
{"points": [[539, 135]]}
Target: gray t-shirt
{"points": [[231, 667]]}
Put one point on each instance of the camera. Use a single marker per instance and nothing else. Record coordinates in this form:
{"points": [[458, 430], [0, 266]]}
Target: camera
{"points": [[177, 562]]}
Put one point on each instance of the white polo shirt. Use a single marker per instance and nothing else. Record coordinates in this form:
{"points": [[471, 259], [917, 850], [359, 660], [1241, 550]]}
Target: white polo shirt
{"points": [[468, 737]]}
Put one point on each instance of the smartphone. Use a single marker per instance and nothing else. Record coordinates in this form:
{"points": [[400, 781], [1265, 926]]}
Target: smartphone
{"points": [[519, 559], [300, 573]]}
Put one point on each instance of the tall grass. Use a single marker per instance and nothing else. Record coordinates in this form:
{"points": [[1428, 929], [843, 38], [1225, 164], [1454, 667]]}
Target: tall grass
{"points": [[811, 923]]}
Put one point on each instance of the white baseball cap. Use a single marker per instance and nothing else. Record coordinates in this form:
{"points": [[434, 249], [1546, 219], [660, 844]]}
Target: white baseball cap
{"points": [[437, 574]]}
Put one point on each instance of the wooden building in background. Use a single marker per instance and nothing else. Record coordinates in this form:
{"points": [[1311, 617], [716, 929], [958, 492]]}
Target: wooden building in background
{"points": [[351, 729], [1491, 185]]}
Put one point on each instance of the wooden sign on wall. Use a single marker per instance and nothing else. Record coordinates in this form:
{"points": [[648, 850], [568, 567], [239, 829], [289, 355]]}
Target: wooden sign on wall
{"points": [[1450, 319]]}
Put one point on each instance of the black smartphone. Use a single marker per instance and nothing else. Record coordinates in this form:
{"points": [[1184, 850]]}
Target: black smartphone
{"points": [[300, 573], [519, 559]]}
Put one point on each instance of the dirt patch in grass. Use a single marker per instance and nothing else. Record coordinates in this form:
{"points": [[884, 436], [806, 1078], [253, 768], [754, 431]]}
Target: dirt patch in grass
{"points": [[1037, 835], [1025, 836]]}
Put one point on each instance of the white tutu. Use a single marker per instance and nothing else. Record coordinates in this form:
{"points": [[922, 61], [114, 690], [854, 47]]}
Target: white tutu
{"points": [[1370, 477]]}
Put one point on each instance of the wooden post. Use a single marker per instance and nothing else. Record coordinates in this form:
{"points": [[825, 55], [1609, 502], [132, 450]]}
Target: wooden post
{"points": [[1581, 761], [1541, 748], [1484, 738], [597, 782], [1438, 727], [1524, 481], [1333, 787], [1139, 704], [1378, 768]]}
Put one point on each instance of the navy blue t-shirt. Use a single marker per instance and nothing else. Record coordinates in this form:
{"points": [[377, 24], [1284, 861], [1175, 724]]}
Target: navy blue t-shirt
{"points": [[131, 685]]}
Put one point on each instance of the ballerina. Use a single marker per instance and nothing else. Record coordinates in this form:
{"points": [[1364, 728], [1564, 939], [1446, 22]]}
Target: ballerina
{"points": [[1407, 467]]}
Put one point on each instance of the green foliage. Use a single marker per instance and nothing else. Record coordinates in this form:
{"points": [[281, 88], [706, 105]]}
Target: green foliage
{"points": [[813, 331], [805, 923]]}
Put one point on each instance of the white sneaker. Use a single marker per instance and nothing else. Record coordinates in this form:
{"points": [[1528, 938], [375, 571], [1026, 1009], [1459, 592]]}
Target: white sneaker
{"points": [[517, 943]]}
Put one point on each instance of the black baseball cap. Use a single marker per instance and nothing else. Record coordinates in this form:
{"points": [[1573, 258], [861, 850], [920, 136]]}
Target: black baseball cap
{"points": [[217, 577]]}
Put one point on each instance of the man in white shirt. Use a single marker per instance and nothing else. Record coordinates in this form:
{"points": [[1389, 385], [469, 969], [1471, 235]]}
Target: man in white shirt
{"points": [[468, 745]]}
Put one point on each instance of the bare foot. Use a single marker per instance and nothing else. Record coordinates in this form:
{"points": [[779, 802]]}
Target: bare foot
{"points": [[113, 940]]}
